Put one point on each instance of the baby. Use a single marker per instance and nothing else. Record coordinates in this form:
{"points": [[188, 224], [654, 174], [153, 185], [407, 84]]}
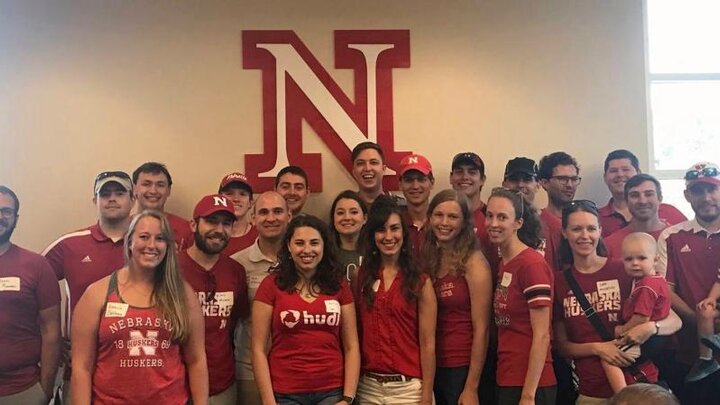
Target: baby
{"points": [[650, 296]]}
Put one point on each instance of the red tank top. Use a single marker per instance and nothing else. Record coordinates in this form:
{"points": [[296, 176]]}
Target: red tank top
{"points": [[137, 362], [454, 321]]}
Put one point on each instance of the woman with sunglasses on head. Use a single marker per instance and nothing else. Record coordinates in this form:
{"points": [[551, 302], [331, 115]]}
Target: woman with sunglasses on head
{"points": [[605, 284], [138, 335], [523, 300], [348, 215], [398, 311], [306, 307], [463, 285]]}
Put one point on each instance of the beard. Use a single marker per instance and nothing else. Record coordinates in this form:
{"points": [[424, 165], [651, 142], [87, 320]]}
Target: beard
{"points": [[5, 236], [205, 247]]}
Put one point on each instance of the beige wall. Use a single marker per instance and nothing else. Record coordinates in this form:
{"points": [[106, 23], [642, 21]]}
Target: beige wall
{"points": [[88, 86]]}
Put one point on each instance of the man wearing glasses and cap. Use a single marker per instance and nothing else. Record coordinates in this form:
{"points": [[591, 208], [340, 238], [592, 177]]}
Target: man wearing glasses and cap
{"points": [[521, 174], [85, 256], [221, 287], [689, 258]]}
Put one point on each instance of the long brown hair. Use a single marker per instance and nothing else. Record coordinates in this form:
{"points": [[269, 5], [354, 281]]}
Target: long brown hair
{"points": [[168, 293]]}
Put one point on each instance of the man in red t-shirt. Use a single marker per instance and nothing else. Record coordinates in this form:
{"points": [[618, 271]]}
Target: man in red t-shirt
{"points": [[559, 175], [236, 188], [29, 316], [220, 284], [416, 182], [83, 257], [621, 165], [643, 194], [152, 185]]}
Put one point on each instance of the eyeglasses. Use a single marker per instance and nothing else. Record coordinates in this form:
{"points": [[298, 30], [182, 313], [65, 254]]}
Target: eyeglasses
{"points": [[211, 287], [8, 213], [567, 179], [504, 190], [705, 172]]}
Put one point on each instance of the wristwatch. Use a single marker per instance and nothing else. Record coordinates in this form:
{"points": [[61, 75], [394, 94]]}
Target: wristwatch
{"points": [[348, 399]]}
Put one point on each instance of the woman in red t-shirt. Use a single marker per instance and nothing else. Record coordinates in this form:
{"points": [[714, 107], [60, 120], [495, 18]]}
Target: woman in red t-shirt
{"points": [[138, 335], [306, 307], [605, 284], [463, 285], [398, 311], [523, 301]]}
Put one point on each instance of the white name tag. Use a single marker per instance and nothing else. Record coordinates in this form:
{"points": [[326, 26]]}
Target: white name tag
{"points": [[9, 283], [115, 309], [332, 306], [608, 287], [506, 279]]}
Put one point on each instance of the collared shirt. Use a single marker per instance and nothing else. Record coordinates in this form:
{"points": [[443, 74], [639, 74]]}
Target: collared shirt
{"points": [[611, 220], [417, 233], [552, 233], [256, 266]]}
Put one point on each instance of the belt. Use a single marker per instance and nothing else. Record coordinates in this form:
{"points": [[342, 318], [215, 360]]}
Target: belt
{"points": [[387, 378]]}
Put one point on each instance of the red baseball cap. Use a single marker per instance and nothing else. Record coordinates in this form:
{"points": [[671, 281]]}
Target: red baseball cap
{"points": [[212, 204], [235, 177], [702, 172], [414, 162]]}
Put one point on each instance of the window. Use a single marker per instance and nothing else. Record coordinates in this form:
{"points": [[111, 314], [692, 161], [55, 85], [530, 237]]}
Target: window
{"points": [[683, 74]]}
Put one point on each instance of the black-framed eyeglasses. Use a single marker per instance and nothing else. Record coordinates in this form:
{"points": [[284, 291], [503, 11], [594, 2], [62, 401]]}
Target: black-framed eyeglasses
{"points": [[211, 287], [567, 179], [8, 213], [705, 172]]}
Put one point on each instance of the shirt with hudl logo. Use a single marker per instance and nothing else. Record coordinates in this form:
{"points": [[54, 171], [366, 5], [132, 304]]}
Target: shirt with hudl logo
{"points": [[306, 353]]}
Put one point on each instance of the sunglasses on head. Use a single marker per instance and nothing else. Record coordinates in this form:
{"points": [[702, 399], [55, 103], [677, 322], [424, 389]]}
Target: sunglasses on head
{"points": [[584, 204], [705, 172]]}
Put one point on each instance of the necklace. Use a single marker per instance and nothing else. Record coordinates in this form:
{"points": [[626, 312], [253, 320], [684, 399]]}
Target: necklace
{"points": [[305, 290]]}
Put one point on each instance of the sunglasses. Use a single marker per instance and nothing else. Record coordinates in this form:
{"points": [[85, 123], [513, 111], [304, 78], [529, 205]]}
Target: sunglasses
{"points": [[582, 204], [211, 287], [705, 172]]}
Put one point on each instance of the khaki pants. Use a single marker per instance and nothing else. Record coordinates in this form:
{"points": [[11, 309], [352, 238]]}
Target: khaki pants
{"points": [[248, 393], [371, 392], [585, 400], [227, 397], [31, 396]]}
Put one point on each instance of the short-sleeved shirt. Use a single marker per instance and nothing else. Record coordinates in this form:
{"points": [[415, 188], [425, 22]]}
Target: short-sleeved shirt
{"points": [[256, 266], [611, 220], [488, 249], [650, 297], [27, 286], [82, 258], [552, 233], [306, 354], [524, 282], [613, 243], [225, 283], [604, 290], [238, 243], [454, 321], [417, 233], [390, 328], [349, 260], [181, 231]]}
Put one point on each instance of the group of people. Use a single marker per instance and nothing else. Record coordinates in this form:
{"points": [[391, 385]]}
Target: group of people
{"points": [[389, 300]]}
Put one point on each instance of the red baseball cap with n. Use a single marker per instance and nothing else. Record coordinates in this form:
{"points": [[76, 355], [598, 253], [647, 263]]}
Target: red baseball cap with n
{"points": [[414, 162], [235, 177], [212, 204]]}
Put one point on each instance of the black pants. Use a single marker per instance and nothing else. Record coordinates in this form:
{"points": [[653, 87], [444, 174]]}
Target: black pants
{"points": [[449, 384], [511, 395]]}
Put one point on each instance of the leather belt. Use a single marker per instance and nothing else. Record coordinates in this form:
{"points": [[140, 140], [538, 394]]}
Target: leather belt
{"points": [[388, 378]]}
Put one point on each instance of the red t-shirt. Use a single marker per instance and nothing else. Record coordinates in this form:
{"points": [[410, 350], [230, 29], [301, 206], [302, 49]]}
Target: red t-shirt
{"points": [[552, 233], [524, 282], [82, 258], [417, 234], [390, 329], [650, 297], [488, 249], [27, 286], [181, 231], [306, 353], [611, 220], [221, 313], [604, 290], [236, 244], [454, 321], [137, 362], [613, 243]]}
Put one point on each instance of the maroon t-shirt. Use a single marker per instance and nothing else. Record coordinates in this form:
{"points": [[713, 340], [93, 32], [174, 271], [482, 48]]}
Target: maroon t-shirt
{"points": [[604, 290], [454, 321], [236, 244], [611, 221], [306, 353], [229, 303], [488, 249], [417, 234], [524, 282], [27, 286], [552, 233], [390, 329], [181, 231], [613, 243], [650, 297]]}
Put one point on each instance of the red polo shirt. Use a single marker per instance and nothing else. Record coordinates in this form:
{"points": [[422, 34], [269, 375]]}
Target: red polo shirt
{"points": [[611, 220], [613, 243], [181, 231], [552, 233], [417, 233], [82, 258]]}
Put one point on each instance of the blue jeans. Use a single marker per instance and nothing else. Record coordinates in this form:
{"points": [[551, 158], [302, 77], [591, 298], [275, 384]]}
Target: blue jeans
{"points": [[311, 398]]}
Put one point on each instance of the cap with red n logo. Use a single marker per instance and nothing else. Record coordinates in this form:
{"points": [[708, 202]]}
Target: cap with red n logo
{"points": [[212, 204], [414, 162]]}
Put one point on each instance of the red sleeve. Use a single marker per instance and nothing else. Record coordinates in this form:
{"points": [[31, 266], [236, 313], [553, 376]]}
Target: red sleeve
{"points": [[536, 281], [267, 291], [243, 304], [643, 300], [54, 256], [47, 293], [345, 293], [670, 214]]}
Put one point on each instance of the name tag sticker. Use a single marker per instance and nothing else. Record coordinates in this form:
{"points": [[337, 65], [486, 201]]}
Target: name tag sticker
{"points": [[332, 306], [115, 309], [9, 283], [224, 297], [608, 287], [506, 279]]}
